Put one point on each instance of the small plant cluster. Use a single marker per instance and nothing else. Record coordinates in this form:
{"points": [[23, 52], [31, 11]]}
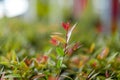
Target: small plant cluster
{"points": [[66, 60], [48, 66]]}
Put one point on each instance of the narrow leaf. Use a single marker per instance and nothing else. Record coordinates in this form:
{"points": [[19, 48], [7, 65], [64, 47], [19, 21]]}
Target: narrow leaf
{"points": [[93, 76], [58, 38], [59, 62], [38, 76], [12, 76], [104, 53], [60, 51], [111, 58], [70, 32], [14, 57]]}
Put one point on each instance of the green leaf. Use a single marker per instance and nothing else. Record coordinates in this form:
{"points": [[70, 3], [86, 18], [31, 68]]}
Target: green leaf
{"points": [[60, 51], [64, 66], [23, 66], [12, 76], [5, 63], [93, 76], [112, 57], [1, 70], [59, 62], [14, 57], [109, 78]]}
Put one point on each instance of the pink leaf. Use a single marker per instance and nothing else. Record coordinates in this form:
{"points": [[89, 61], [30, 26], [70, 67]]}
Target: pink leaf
{"points": [[2, 77]]}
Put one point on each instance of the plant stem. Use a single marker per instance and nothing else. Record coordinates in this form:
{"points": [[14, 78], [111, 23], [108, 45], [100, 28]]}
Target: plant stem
{"points": [[65, 48]]}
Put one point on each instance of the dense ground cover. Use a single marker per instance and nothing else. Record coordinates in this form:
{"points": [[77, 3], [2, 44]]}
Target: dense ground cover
{"points": [[70, 53]]}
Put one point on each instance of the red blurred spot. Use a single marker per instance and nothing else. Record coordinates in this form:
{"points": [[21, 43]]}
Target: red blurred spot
{"points": [[107, 74], [45, 58], [28, 62], [115, 13], [54, 41], [98, 26], [42, 59], [94, 64], [66, 26], [76, 46], [52, 78]]}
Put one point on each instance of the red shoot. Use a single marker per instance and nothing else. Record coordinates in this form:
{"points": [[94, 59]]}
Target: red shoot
{"points": [[107, 74], [54, 41], [45, 58], [42, 59], [66, 26]]}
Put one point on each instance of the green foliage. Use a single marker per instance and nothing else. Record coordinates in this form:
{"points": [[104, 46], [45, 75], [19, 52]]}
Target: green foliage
{"points": [[95, 57], [60, 51]]}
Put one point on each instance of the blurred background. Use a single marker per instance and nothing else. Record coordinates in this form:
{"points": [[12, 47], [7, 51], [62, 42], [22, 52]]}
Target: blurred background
{"points": [[104, 12], [27, 24]]}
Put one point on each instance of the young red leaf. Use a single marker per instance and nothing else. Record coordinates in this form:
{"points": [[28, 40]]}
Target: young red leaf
{"points": [[66, 26], [107, 74], [42, 59], [28, 62], [70, 51], [54, 42], [94, 64], [76, 46], [104, 53], [45, 58]]}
